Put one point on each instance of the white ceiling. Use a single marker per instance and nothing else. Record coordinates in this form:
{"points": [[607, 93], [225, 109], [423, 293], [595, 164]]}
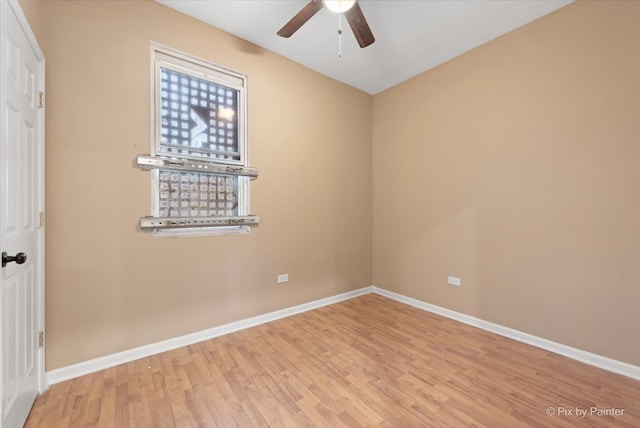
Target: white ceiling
{"points": [[412, 36]]}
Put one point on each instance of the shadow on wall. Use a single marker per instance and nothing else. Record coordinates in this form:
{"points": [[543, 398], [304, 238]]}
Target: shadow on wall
{"points": [[247, 47]]}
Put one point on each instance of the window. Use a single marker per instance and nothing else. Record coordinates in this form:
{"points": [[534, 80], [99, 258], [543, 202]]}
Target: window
{"points": [[199, 156]]}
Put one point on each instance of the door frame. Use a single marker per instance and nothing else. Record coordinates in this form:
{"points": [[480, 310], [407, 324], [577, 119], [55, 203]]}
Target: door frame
{"points": [[14, 7]]}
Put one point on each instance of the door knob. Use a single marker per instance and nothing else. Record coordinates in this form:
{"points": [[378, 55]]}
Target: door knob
{"points": [[18, 258]]}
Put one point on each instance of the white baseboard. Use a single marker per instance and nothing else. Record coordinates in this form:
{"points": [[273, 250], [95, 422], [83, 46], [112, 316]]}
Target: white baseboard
{"points": [[90, 366], [605, 363]]}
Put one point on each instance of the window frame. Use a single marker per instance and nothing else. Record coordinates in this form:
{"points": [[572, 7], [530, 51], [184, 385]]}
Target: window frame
{"points": [[174, 60], [171, 59]]}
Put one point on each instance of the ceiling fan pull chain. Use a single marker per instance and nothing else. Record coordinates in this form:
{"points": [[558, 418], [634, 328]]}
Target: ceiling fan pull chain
{"points": [[339, 35]]}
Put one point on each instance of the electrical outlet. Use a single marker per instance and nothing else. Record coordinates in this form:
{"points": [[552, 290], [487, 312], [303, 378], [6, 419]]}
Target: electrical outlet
{"points": [[283, 278], [452, 280]]}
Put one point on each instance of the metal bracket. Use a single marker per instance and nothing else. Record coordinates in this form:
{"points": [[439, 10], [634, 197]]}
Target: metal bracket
{"points": [[147, 162], [191, 222]]}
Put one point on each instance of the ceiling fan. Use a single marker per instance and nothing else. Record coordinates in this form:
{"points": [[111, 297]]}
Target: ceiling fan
{"points": [[351, 11]]}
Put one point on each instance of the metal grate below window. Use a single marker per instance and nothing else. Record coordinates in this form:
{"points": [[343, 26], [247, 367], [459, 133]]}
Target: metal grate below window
{"points": [[191, 194]]}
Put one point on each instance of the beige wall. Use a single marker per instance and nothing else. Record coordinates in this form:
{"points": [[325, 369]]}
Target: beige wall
{"points": [[513, 166], [110, 287], [34, 11], [516, 167]]}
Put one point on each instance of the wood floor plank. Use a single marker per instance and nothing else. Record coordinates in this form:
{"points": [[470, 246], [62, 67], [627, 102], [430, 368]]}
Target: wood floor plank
{"points": [[365, 362]]}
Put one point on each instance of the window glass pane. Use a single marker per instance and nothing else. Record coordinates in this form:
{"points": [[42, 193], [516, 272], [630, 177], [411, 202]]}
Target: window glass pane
{"points": [[192, 194], [198, 118]]}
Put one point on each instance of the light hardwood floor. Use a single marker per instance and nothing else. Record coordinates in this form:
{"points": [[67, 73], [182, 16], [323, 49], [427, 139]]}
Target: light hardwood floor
{"points": [[368, 361]]}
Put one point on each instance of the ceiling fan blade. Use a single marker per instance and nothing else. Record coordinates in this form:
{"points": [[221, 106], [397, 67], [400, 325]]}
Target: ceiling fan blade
{"points": [[300, 18], [359, 25]]}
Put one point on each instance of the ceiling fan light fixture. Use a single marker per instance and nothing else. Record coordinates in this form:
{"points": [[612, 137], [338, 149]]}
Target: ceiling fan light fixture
{"points": [[339, 6]]}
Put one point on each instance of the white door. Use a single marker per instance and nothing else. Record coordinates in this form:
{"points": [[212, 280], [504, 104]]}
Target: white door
{"points": [[21, 199]]}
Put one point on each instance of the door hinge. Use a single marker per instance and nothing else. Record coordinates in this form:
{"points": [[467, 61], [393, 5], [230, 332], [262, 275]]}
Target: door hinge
{"points": [[40, 99], [40, 339], [41, 219]]}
